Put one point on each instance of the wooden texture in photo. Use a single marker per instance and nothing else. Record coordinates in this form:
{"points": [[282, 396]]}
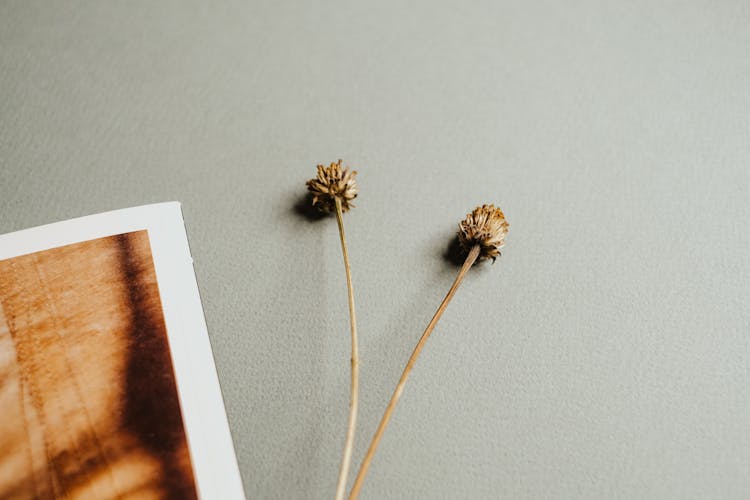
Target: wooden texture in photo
{"points": [[87, 391]]}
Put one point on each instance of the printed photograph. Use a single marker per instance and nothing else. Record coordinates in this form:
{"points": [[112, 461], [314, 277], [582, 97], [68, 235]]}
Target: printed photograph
{"points": [[89, 399]]}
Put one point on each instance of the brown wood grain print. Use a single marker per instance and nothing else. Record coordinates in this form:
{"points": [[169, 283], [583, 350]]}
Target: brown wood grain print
{"points": [[88, 398]]}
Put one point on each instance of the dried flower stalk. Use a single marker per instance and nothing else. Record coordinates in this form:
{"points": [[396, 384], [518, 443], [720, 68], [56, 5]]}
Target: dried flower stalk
{"points": [[482, 234], [334, 189]]}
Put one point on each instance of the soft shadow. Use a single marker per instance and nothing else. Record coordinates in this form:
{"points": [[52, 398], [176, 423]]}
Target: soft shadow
{"points": [[152, 408], [303, 207], [454, 253]]}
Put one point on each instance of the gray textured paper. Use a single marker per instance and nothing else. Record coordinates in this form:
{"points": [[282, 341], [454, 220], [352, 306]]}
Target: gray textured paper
{"points": [[605, 355]]}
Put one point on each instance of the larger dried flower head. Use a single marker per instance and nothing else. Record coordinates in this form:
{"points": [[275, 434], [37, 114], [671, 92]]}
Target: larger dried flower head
{"points": [[485, 226], [333, 182]]}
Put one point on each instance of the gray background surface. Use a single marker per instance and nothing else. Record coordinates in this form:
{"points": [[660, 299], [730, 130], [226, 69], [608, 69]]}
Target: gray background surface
{"points": [[605, 355]]}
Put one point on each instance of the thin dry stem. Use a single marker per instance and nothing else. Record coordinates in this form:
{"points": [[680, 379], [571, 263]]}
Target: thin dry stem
{"points": [[354, 396], [470, 259]]}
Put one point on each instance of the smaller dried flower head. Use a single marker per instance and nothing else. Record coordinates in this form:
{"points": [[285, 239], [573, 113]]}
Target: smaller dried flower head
{"points": [[332, 182], [485, 226]]}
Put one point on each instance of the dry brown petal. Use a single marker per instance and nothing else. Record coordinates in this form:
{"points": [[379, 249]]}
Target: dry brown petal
{"points": [[330, 183], [485, 226]]}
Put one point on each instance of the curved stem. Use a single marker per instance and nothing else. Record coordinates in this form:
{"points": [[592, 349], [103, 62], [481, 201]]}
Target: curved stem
{"points": [[470, 259], [354, 396]]}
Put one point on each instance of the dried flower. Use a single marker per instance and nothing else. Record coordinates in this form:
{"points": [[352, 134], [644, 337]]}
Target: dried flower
{"points": [[332, 182], [485, 226], [482, 234], [333, 191]]}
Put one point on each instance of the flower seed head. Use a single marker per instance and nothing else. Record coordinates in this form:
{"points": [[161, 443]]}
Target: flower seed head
{"points": [[332, 182], [485, 226]]}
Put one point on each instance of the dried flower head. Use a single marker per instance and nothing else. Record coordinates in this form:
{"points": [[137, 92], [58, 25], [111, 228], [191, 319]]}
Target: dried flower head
{"points": [[485, 226], [332, 182]]}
